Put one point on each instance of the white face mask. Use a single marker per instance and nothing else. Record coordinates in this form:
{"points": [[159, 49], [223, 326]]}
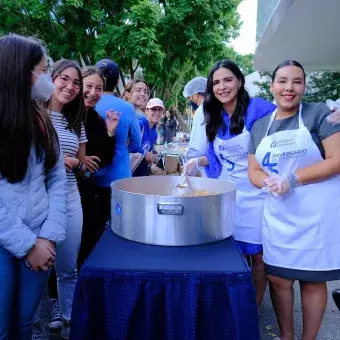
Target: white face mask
{"points": [[43, 87]]}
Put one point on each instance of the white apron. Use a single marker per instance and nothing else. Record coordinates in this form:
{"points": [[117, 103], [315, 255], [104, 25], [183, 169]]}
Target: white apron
{"points": [[233, 155], [301, 231]]}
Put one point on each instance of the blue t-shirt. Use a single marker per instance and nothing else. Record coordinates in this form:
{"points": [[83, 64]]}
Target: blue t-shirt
{"points": [[128, 129], [257, 109], [149, 135], [149, 138]]}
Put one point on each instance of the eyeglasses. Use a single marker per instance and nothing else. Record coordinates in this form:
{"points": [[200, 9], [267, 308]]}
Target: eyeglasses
{"points": [[65, 80], [47, 70]]}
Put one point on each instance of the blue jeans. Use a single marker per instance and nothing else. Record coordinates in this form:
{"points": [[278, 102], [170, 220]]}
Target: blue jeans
{"points": [[67, 253], [21, 290]]}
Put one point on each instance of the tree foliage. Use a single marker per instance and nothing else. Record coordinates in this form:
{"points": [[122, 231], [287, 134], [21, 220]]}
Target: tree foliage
{"points": [[264, 86], [323, 86], [169, 41], [245, 62]]}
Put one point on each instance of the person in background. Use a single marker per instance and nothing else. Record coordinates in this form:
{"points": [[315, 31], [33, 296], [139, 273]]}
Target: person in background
{"points": [[100, 150], [137, 92], [169, 127], [230, 115], [194, 91], [67, 111], [294, 156], [127, 130], [32, 184], [148, 125], [161, 129]]}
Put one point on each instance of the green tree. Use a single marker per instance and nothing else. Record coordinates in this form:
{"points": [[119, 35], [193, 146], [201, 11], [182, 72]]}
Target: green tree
{"points": [[264, 86], [168, 41], [245, 62], [323, 86], [192, 33]]}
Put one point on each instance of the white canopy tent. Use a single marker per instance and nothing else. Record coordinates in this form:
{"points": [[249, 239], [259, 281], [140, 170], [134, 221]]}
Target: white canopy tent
{"points": [[304, 30]]}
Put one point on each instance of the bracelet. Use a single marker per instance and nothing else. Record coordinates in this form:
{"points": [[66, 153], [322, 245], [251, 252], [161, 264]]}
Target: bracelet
{"points": [[199, 161], [294, 181], [78, 168]]}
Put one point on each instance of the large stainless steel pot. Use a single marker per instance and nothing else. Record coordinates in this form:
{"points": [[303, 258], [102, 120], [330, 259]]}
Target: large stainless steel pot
{"points": [[152, 210]]}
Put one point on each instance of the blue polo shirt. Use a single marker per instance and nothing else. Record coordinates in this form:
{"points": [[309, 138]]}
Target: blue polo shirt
{"points": [[257, 108], [149, 139], [149, 135]]}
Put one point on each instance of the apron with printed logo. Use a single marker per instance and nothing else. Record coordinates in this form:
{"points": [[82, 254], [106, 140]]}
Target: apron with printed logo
{"points": [[233, 155], [302, 230]]}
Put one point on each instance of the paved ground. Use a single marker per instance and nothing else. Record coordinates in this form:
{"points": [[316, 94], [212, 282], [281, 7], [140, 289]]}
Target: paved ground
{"points": [[330, 329]]}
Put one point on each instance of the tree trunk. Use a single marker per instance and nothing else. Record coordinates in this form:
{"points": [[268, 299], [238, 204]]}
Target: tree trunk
{"points": [[82, 61], [181, 122], [122, 77]]}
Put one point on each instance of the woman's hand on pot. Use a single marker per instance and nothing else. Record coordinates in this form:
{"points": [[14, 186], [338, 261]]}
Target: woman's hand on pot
{"points": [[190, 167], [92, 163]]}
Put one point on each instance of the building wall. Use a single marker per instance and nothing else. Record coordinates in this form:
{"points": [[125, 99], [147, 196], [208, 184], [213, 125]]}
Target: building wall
{"points": [[265, 8]]}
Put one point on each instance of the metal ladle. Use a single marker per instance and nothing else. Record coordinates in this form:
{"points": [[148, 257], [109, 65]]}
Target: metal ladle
{"points": [[183, 185]]}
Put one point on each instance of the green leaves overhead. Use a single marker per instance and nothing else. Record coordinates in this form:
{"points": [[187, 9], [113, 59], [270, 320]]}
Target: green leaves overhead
{"points": [[170, 41]]}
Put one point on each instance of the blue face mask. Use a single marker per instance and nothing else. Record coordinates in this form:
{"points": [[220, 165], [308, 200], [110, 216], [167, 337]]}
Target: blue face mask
{"points": [[194, 106]]}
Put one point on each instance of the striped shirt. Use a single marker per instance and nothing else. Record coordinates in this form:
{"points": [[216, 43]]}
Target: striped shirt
{"points": [[69, 140]]}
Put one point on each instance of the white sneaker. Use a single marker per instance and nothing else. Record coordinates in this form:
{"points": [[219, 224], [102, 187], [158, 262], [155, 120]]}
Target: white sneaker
{"points": [[56, 321]]}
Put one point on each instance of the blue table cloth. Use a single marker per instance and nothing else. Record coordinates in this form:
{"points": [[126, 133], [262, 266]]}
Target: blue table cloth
{"points": [[132, 291]]}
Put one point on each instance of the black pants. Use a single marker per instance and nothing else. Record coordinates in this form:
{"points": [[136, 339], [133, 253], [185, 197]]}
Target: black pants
{"points": [[96, 203], [52, 285]]}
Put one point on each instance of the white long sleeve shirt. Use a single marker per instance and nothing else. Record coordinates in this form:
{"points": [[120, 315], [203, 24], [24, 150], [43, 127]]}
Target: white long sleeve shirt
{"points": [[198, 144]]}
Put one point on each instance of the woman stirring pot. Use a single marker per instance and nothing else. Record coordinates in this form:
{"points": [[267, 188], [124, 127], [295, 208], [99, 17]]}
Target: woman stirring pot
{"points": [[230, 115], [295, 157]]}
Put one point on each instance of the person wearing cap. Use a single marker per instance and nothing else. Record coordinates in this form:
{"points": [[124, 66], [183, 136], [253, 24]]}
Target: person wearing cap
{"points": [[148, 125], [128, 127], [194, 90]]}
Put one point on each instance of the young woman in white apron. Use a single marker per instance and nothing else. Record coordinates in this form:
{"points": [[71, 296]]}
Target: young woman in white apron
{"points": [[230, 114], [294, 156]]}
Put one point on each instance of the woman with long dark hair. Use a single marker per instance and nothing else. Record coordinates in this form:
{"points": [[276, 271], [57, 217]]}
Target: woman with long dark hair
{"points": [[67, 111], [294, 156], [100, 150], [32, 184], [170, 126], [230, 115]]}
